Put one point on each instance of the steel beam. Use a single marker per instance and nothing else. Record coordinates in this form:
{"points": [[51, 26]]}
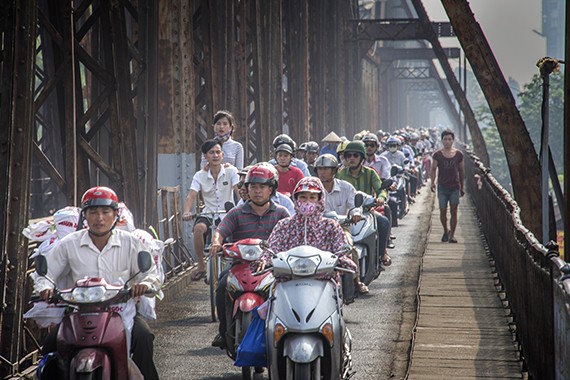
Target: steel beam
{"points": [[521, 157], [394, 54], [396, 30], [17, 119]]}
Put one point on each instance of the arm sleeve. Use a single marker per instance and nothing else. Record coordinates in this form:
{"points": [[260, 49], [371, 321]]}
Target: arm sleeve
{"points": [[195, 185], [239, 156], [376, 183], [228, 224], [57, 267]]}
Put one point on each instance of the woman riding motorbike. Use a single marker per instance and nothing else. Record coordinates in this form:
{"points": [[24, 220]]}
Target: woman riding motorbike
{"points": [[308, 226]]}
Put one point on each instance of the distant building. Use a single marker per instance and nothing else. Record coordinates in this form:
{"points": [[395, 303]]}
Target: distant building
{"points": [[553, 14]]}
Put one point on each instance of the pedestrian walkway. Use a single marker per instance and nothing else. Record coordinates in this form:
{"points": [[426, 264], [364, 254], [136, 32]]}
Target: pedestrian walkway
{"points": [[462, 331]]}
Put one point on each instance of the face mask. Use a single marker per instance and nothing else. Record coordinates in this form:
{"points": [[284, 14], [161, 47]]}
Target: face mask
{"points": [[306, 208], [393, 149]]}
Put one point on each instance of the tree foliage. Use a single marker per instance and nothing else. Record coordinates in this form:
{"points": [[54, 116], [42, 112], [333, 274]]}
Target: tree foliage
{"points": [[530, 108]]}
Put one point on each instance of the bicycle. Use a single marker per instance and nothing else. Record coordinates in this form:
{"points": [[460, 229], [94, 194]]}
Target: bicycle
{"points": [[214, 262]]}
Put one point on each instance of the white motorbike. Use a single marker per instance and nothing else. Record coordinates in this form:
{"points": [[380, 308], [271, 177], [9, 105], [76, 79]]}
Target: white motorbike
{"points": [[306, 334]]}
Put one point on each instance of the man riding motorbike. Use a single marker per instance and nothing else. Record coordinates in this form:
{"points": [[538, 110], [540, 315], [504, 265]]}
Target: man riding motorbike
{"points": [[366, 179], [254, 219], [103, 251], [339, 198]]}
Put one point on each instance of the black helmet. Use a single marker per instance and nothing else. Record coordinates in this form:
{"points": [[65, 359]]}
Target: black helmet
{"points": [[356, 146], [284, 139], [312, 147], [284, 148]]}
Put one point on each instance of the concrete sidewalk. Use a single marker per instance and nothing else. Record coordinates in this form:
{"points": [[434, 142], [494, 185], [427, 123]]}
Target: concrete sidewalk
{"points": [[462, 331]]}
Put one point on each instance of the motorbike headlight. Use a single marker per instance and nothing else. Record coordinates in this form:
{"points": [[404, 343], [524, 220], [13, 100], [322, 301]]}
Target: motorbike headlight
{"points": [[250, 252], [89, 294], [304, 266]]}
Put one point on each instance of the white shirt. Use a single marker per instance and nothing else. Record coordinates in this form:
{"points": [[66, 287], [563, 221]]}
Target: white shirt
{"points": [[396, 158], [341, 197], [77, 257], [233, 154], [381, 165], [215, 192]]}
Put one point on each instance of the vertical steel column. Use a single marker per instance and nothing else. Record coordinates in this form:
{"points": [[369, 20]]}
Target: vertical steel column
{"points": [[519, 150], [17, 119], [147, 109], [296, 27], [123, 132], [269, 71], [567, 136]]}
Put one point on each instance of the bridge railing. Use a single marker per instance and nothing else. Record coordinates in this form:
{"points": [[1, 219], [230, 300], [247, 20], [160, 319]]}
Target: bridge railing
{"points": [[535, 279]]}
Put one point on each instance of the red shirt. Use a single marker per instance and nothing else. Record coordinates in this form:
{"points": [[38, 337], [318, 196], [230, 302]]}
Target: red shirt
{"points": [[288, 180], [448, 169]]}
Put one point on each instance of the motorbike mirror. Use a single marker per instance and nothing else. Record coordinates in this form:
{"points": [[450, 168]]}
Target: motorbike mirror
{"points": [[387, 183], [406, 161], [358, 200], [264, 244], [394, 170], [41, 265], [228, 206], [144, 260]]}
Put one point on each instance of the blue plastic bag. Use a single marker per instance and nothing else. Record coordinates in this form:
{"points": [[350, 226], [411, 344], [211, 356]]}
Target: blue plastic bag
{"points": [[251, 351]]}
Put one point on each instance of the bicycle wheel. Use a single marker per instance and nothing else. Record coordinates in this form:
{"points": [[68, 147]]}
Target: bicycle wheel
{"points": [[212, 275]]}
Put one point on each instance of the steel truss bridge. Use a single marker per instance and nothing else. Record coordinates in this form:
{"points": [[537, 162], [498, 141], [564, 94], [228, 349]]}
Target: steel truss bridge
{"points": [[122, 93]]}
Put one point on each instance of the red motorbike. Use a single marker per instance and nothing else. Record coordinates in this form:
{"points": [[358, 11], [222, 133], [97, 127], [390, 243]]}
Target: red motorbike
{"points": [[91, 340], [244, 292]]}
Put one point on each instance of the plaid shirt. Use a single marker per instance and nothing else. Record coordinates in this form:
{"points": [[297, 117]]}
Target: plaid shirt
{"points": [[367, 181]]}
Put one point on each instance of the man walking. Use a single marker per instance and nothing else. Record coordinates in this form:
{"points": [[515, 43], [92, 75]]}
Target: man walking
{"points": [[450, 169]]}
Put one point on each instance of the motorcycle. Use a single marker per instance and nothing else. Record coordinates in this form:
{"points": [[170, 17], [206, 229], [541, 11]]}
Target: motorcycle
{"points": [[91, 340], [305, 331], [399, 177], [245, 292]]}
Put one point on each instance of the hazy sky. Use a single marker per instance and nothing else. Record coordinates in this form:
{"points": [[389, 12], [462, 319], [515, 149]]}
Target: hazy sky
{"points": [[508, 26]]}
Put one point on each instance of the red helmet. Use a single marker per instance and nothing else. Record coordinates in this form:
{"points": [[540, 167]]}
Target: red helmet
{"points": [[99, 196], [261, 174]]}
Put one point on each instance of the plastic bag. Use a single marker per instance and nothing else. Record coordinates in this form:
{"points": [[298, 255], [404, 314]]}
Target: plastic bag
{"points": [[45, 315], [251, 351]]}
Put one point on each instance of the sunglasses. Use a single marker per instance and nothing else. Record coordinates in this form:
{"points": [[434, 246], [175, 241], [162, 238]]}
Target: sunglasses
{"points": [[370, 145], [392, 145], [350, 155]]}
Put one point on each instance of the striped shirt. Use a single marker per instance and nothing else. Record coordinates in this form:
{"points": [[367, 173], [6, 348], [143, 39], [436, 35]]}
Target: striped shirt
{"points": [[233, 154], [367, 181], [242, 222]]}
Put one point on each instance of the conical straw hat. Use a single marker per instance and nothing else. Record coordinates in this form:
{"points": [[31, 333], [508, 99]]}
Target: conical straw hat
{"points": [[331, 137]]}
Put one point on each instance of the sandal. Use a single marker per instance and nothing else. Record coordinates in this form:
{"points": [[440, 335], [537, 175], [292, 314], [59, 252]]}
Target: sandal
{"points": [[198, 275], [452, 240], [387, 261], [361, 288]]}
